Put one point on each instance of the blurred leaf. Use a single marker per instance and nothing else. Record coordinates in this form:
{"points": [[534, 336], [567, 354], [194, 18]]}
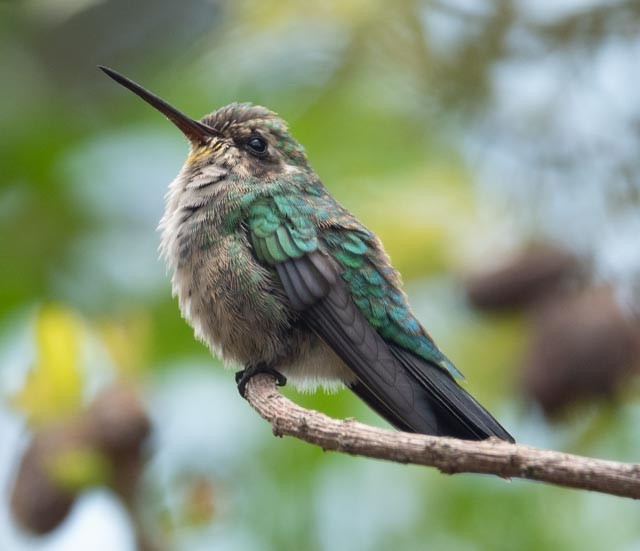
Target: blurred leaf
{"points": [[53, 388]]}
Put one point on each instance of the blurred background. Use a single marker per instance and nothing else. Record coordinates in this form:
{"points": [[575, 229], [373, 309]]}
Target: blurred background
{"points": [[493, 146]]}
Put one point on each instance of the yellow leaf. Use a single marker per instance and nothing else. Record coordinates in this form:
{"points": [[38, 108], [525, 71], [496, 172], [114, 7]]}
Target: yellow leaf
{"points": [[53, 388]]}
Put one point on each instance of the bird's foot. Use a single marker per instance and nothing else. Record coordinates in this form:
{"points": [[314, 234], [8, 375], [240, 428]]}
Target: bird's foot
{"points": [[243, 377]]}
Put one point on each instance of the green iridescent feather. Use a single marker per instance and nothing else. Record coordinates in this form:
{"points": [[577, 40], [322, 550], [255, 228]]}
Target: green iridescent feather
{"points": [[284, 226]]}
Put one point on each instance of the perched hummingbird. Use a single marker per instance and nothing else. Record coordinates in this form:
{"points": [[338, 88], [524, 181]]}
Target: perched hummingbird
{"points": [[275, 275]]}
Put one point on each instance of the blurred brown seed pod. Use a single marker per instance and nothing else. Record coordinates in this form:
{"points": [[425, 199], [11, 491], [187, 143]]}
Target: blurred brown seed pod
{"points": [[524, 279], [583, 347]]}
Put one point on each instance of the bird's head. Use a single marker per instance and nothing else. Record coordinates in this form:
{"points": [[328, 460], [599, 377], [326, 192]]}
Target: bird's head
{"points": [[241, 139]]}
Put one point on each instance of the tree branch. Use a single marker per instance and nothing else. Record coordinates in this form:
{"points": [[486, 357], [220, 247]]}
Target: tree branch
{"points": [[449, 455]]}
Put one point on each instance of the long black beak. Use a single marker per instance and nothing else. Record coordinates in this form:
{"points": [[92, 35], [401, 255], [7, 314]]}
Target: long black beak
{"points": [[194, 130]]}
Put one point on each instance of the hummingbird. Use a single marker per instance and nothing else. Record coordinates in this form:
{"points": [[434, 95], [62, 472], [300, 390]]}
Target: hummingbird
{"points": [[275, 275]]}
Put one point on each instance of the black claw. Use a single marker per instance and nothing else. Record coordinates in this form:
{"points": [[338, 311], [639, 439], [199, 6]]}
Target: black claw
{"points": [[243, 377], [281, 380]]}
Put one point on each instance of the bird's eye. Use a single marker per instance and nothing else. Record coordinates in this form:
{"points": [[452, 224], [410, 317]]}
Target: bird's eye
{"points": [[257, 145]]}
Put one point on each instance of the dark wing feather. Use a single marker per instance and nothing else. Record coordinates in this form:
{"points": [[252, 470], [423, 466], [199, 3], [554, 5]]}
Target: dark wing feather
{"points": [[458, 413], [339, 322], [409, 392], [375, 404]]}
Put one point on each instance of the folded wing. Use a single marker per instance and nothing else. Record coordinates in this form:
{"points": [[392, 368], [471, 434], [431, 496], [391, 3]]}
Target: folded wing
{"points": [[408, 390]]}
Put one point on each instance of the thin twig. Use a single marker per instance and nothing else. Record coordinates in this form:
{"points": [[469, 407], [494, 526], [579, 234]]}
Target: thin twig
{"points": [[449, 455]]}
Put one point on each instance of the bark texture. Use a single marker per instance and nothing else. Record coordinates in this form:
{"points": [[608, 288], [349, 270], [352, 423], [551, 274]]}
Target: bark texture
{"points": [[449, 455]]}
